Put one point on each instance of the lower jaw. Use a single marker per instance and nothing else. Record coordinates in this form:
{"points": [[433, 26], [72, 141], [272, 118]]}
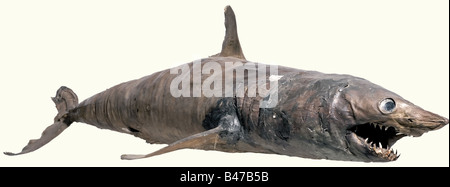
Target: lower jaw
{"points": [[369, 153]]}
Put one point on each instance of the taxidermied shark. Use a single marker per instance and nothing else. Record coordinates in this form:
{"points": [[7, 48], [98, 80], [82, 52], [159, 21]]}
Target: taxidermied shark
{"points": [[288, 111]]}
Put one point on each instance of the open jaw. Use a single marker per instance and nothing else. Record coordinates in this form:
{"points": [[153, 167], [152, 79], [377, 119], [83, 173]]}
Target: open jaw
{"points": [[376, 139]]}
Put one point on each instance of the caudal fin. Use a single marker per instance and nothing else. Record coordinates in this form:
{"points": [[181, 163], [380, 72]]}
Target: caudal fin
{"points": [[65, 100]]}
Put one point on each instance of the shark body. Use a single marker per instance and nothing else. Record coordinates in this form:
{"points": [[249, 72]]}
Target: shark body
{"points": [[314, 115]]}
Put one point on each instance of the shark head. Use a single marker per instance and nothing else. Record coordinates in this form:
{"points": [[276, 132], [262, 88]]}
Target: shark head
{"points": [[374, 118]]}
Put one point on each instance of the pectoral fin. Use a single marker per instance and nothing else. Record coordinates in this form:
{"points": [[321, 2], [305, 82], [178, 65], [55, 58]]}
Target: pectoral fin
{"points": [[196, 141], [224, 130]]}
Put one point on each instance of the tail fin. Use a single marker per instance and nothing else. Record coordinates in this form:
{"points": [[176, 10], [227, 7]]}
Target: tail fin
{"points": [[65, 100], [231, 46]]}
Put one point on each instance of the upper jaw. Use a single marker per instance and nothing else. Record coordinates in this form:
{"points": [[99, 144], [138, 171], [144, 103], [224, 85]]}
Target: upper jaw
{"points": [[375, 140]]}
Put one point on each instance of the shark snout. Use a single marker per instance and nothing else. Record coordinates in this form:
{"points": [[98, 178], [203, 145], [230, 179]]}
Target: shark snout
{"points": [[444, 121], [419, 121]]}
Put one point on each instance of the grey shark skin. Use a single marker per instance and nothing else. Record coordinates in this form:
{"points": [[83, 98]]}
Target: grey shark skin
{"points": [[316, 115]]}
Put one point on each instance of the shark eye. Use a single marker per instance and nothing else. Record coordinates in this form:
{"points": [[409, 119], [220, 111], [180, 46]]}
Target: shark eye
{"points": [[387, 106]]}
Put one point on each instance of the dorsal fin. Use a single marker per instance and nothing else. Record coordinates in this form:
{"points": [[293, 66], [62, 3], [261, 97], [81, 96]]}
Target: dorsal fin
{"points": [[231, 46]]}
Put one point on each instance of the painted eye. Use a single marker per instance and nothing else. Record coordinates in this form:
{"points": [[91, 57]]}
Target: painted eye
{"points": [[387, 106]]}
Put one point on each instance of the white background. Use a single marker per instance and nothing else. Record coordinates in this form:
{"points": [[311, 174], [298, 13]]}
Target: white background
{"points": [[90, 46]]}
